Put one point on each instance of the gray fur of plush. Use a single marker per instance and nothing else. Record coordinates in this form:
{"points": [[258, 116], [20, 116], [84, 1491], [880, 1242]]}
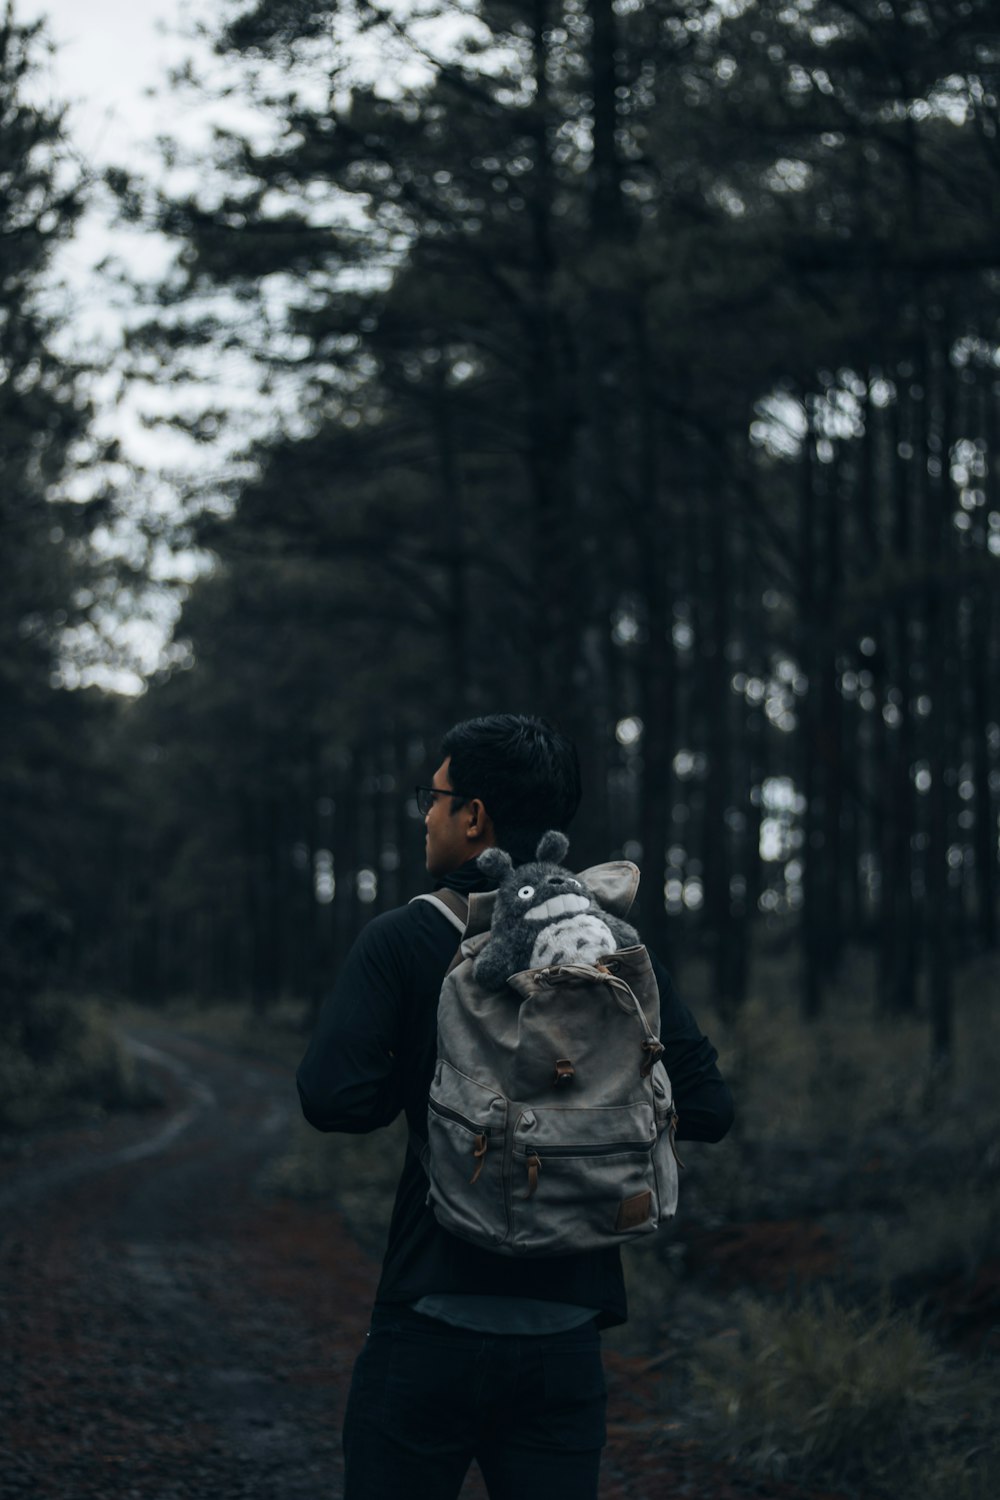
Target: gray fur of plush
{"points": [[578, 930]]}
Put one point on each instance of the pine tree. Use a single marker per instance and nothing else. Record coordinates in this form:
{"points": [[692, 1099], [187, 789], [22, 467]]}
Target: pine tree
{"points": [[43, 412]]}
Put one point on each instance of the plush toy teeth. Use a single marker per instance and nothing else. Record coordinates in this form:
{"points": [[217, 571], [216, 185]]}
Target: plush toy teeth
{"points": [[557, 906]]}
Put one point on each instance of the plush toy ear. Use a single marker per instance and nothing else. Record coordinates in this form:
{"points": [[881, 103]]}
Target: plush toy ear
{"points": [[552, 847], [495, 862]]}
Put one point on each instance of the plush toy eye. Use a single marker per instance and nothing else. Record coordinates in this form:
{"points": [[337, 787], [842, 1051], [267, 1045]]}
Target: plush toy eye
{"points": [[526, 892]]}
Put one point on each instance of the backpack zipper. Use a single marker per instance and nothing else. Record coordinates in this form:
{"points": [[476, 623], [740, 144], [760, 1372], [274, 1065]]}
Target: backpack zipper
{"points": [[453, 1114], [615, 1148]]}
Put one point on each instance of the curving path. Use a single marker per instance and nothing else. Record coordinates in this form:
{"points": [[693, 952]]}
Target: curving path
{"points": [[166, 1331]]}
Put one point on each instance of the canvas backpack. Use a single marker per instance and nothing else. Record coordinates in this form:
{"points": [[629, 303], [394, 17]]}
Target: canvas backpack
{"points": [[550, 1119]]}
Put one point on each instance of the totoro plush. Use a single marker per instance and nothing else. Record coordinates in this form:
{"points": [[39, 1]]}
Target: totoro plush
{"points": [[544, 915]]}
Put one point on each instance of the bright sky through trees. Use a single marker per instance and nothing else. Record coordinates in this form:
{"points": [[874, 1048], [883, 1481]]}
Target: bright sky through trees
{"points": [[109, 65]]}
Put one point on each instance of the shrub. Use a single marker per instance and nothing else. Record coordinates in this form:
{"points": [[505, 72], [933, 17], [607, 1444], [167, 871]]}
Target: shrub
{"points": [[855, 1398], [59, 1058]]}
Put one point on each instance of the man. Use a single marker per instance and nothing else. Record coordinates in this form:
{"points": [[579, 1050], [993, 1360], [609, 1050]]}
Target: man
{"points": [[472, 1354]]}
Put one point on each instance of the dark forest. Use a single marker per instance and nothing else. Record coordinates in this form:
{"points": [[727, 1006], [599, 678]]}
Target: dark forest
{"points": [[648, 374], [646, 361]]}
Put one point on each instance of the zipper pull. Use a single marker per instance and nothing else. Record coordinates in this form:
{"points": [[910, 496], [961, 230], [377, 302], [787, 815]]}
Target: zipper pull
{"points": [[534, 1167], [479, 1152]]}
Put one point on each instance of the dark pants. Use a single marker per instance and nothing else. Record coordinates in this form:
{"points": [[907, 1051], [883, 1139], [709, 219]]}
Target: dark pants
{"points": [[426, 1399]]}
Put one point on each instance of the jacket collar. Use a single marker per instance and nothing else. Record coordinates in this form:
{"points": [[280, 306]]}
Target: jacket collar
{"points": [[466, 879]]}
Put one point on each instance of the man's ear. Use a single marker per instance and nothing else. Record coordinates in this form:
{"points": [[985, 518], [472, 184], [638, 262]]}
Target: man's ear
{"points": [[480, 824]]}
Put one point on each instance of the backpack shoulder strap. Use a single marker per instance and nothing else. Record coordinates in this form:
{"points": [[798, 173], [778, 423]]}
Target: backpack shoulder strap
{"points": [[456, 909], [450, 904]]}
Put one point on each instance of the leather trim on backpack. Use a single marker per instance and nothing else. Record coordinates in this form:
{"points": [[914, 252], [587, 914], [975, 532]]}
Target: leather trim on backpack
{"points": [[633, 1212]]}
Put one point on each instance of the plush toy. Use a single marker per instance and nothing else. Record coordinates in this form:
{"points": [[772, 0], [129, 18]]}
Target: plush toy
{"points": [[543, 916]]}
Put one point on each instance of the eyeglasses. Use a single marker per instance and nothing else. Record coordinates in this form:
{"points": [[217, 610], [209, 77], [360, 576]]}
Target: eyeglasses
{"points": [[427, 796]]}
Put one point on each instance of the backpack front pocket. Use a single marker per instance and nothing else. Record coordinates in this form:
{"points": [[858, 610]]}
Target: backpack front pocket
{"points": [[465, 1131], [582, 1178]]}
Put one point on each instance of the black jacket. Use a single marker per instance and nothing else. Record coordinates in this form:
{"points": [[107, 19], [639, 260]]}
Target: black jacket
{"points": [[373, 1055]]}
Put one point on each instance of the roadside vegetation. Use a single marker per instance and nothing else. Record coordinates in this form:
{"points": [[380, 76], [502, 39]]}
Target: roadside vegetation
{"points": [[858, 1398], [60, 1060]]}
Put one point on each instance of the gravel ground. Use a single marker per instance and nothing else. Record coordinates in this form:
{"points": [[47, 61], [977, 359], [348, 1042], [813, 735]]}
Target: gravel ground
{"points": [[168, 1331]]}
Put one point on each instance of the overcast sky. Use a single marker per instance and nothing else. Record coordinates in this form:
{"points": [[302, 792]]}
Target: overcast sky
{"points": [[109, 52], [110, 67]]}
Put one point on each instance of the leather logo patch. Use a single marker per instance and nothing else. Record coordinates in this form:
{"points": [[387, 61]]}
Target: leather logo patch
{"points": [[632, 1212]]}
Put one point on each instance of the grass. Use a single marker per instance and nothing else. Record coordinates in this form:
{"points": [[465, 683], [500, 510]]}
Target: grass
{"points": [[938, 1234], [60, 1060], [854, 1084], [854, 1065], [860, 1398], [847, 1123]]}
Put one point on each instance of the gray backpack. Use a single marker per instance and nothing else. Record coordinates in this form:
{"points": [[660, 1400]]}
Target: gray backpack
{"points": [[550, 1119]]}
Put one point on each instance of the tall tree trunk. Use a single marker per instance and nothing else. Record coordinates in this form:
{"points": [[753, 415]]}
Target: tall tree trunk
{"points": [[902, 939], [811, 741], [657, 678], [940, 618], [831, 730], [718, 792], [985, 663], [607, 219], [549, 420], [457, 614]]}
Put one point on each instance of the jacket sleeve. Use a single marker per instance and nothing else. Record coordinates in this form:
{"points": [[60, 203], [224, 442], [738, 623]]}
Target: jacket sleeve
{"points": [[350, 1078], [704, 1103]]}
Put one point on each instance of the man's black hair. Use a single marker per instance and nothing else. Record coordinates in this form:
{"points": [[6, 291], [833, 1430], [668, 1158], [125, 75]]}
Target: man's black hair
{"points": [[524, 772]]}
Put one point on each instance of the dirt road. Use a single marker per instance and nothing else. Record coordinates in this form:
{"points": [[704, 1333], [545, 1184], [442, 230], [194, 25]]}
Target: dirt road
{"points": [[165, 1332], [169, 1331]]}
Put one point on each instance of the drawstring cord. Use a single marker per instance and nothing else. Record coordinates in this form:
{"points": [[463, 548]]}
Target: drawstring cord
{"points": [[652, 1047]]}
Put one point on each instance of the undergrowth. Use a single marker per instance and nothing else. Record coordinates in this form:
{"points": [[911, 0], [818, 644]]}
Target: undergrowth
{"points": [[855, 1068], [856, 1397], [60, 1059], [278, 1032]]}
